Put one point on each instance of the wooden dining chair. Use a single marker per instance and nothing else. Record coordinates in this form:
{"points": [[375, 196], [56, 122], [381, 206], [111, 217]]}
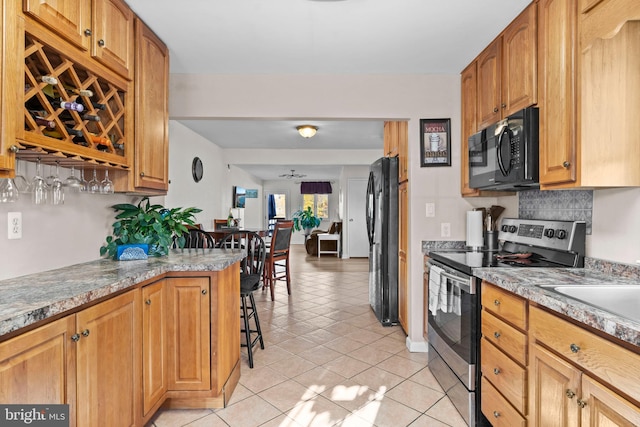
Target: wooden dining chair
{"points": [[277, 260], [194, 238]]}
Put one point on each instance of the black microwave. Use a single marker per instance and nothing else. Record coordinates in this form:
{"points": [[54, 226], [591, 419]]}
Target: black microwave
{"points": [[504, 156]]}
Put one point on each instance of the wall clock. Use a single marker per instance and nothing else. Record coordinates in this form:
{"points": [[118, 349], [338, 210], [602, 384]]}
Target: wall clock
{"points": [[196, 169]]}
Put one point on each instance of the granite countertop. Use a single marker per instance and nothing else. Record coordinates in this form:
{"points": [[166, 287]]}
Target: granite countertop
{"points": [[28, 299], [523, 281]]}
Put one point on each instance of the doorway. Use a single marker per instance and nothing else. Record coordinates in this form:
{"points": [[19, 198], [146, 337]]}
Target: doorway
{"points": [[357, 241], [275, 208]]}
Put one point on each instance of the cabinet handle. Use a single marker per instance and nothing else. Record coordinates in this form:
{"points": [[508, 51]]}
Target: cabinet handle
{"points": [[87, 32], [14, 149], [75, 337], [496, 371], [566, 164], [148, 302], [503, 105], [581, 403], [496, 334], [574, 348], [85, 333], [495, 110], [570, 394], [142, 174], [204, 292], [496, 302], [101, 43], [496, 414]]}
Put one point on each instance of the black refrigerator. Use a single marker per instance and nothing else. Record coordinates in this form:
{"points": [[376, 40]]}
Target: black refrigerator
{"points": [[382, 227]]}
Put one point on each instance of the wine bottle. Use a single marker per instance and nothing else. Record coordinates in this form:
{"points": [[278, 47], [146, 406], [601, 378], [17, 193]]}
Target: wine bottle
{"points": [[37, 116], [72, 131], [67, 105], [82, 92], [91, 117], [50, 80], [95, 105]]}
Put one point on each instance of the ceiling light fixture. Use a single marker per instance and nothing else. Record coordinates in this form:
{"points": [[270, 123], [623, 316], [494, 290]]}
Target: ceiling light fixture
{"points": [[293, 174], [307, 131]]}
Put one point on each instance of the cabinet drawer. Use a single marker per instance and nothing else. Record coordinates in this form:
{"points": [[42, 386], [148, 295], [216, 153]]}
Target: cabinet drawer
{"points": [[505, 374], [499, 412], [505, 337], [610, 362], [506, 305]]}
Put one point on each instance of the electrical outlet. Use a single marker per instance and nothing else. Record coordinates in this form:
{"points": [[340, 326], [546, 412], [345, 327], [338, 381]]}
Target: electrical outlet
{"points": [[431, 210], [445, 229], [14, 224]]}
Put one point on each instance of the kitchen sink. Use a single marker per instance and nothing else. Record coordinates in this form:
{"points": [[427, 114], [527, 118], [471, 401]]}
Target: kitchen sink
{"points": [[622, 300]]}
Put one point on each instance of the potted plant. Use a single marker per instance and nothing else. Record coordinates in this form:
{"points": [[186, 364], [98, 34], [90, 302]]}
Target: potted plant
{"points": [[305, 219], [145, 223]]}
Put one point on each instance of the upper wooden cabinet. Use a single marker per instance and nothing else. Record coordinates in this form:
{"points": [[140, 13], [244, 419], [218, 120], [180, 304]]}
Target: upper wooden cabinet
{"points": [[396, 143], [507, 71], [390, 139], [10, 85], [102, 27], [151, 170], [469, 90]]}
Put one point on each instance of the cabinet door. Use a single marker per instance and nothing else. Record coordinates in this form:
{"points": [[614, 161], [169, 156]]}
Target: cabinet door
{"points": [[152, 111], [39, 366], [557, 90], [554, 390], [469, 125], [68, 18], [403, 151], [11, 85], [403, 282], [108, 362], [112, 40], [604, 407], [154, 344], [489, 81], [519, 63], [390, 139], [189, 333]]}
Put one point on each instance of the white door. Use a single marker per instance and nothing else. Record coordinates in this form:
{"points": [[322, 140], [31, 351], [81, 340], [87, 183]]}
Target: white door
{"points": [[357, 240]]}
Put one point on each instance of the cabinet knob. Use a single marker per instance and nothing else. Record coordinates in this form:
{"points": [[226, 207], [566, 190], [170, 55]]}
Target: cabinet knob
{"points": [[87, 32], [142, 174], [495, 110], [566, 164], [496, 371], [14, 149], [574, 348], [75, 337], [85, 333], [581, 403], [496, 334], [496, 414], [570, 394], [204, 292], [503, 105], [101, 43], [496, 302], [148, 302]]}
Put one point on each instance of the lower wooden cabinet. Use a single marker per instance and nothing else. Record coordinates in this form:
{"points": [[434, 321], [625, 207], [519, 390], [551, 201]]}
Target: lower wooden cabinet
{"points": [[403, 247], [154, 344], [188, 333]]}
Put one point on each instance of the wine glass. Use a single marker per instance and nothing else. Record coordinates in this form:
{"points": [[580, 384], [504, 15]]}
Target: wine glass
{"points": [[106, 186], [73, 183], [57, 190], [38, 187], [20, 181], [8, 191], [83, 181], [93, 186]]}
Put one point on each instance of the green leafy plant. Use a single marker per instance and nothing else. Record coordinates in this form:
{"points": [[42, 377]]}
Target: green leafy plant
{"points": [[305, 219], [147, 223]]}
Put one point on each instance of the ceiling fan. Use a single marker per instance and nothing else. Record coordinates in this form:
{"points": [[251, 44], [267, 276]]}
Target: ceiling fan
{"points": [[293, 174]]}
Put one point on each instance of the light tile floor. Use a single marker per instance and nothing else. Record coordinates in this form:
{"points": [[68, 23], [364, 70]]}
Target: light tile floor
{"points": [[327, 361]]}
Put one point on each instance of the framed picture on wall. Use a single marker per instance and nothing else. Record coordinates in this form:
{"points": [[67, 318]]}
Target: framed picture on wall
{"points": [[435, 142]]}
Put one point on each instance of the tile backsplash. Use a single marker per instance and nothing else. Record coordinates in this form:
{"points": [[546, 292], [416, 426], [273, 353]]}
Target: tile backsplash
{"points": [[566, 205]]}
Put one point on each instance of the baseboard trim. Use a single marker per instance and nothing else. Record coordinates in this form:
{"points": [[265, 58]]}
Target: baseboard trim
{"points": [[417, 346]]}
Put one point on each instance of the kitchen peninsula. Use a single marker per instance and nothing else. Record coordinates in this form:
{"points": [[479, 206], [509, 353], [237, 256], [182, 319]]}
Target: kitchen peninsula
{"points": [[117, 340]]}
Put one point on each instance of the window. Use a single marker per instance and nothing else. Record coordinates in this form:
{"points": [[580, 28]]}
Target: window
{"points": [[319, 204]]}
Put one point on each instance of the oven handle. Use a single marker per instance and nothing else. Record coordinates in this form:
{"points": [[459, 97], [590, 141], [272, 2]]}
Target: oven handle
{"points": [[465, 282]]}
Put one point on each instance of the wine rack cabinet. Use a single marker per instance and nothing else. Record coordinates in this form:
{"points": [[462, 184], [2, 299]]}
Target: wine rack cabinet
{"points": [[96, 133]]}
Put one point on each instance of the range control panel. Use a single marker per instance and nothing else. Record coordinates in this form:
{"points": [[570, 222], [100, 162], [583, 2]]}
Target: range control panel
{"points": [[552, 234]]}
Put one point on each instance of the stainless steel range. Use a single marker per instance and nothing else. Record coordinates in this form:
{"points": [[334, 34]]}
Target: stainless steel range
{"points": [[454, 299]]}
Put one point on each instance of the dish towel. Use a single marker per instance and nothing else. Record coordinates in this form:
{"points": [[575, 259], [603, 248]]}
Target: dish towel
{"points": [[435, 284], [455, 300]]}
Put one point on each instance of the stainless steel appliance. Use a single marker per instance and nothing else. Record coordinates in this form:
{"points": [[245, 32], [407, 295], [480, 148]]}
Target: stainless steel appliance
{"points": [[382, 229], [504, 156], [454, 299]]}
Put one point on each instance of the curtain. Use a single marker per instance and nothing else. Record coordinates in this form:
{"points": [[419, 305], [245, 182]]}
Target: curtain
{"points": [[319, 187], [271, 206]]}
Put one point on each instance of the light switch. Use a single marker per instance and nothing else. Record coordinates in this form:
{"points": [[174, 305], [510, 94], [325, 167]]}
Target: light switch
{"points": [[445, 229]]}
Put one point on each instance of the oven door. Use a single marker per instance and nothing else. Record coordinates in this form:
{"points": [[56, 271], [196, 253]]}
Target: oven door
{"points": [[454, 321]]}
